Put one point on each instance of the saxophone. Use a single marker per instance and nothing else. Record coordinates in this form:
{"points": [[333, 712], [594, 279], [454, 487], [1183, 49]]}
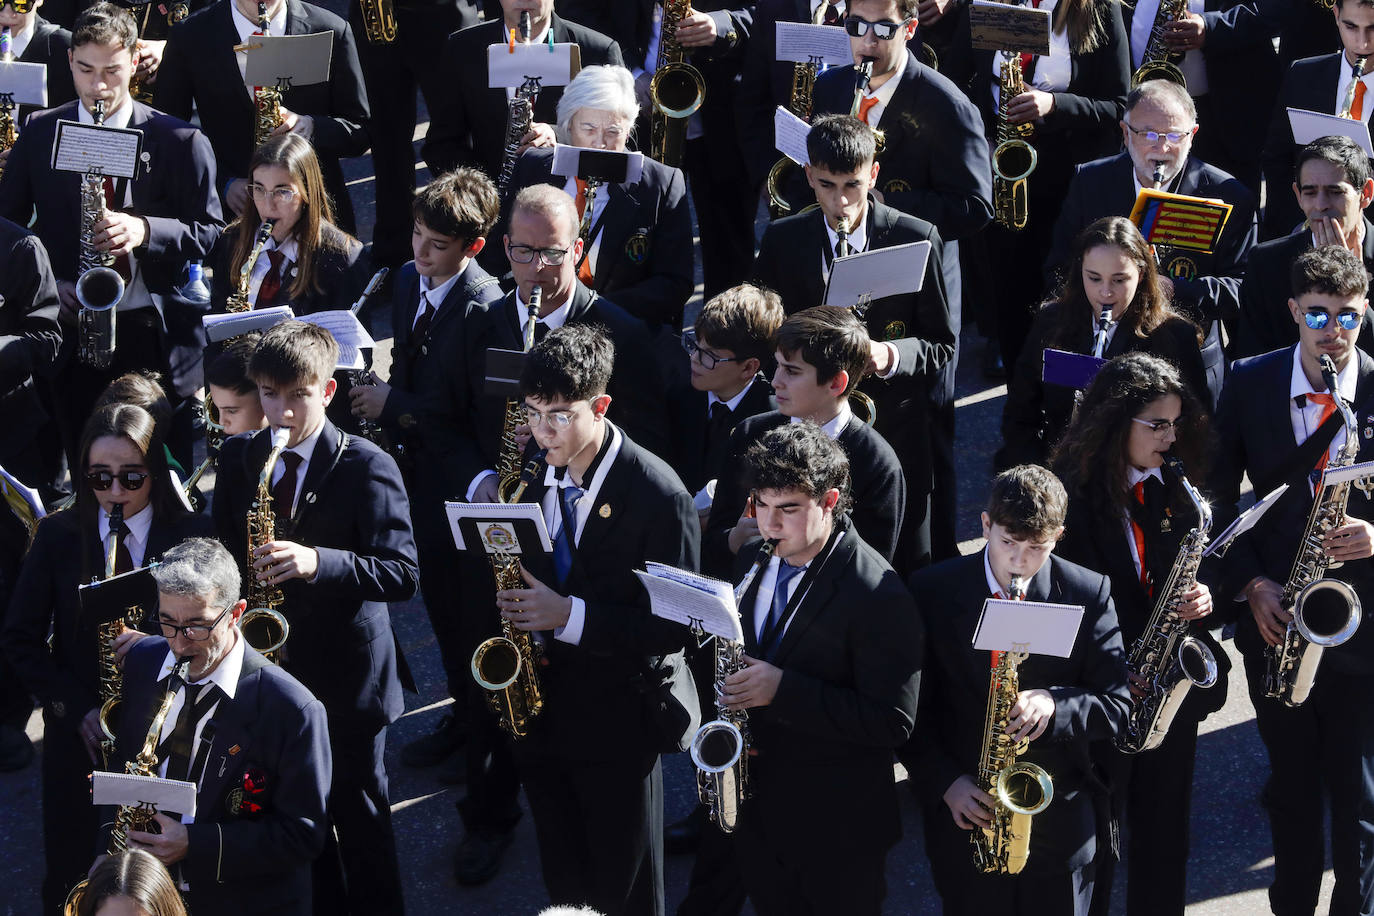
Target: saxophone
{"points": [[1165, 657], [720, 748], [98, 286], [803, 83], [262, 625], [677, 89], [1326, 612], [9, 131], [111, 675], [140, 817], [1021, 790], [505, 665], [1356, 71], [863, 75], [371, 430], [379, 21], [1158, 62], [1013, 159], [214, 441], [238, 300], [266, 99]]}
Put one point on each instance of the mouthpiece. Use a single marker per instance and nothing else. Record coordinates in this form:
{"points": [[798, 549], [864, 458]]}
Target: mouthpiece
{"points": [[1016, 588], [1328, 367], [280, 436], [525, 26], [1158, 177]]}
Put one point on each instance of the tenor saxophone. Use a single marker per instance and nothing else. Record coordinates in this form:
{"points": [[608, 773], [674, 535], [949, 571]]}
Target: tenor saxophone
{"points": [[238, 300], [803, 83], [214, 441], [1166, 657], [1020, 790], [267, 115], [262, 625], [379, 21], [1013, 159], [720, 748], [1348, 105], [98, 286], [1158, 62], [1326, 612], [677, 89]]}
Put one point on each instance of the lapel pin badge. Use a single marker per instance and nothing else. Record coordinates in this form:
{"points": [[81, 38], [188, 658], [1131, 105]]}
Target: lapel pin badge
{"points": [[310, 498], [147, 161], [235, 749], [604, 511]]}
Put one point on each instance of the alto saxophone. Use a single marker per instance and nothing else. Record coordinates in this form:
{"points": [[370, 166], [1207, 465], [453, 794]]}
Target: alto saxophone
{"points": [[1356, 71], [677, 89], [803, 83], [111, 675], [238, 300], [1166, 657], [267, 115], [720, 748], [379, 21], [1326, 612], [214, 441], [262, 625], [1013, 159], [863, 75], [506, 665], [1020, 790], [98, 286], [1158, 62]]}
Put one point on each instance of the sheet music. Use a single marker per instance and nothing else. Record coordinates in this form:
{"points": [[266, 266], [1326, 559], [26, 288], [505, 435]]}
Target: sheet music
{"points": [[692, 600]]}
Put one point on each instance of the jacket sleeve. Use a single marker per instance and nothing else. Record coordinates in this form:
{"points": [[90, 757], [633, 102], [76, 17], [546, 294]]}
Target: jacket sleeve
{"points": [[667, 285], [384, 568], [1217, 296], [959, 202], [1097, 708], [29, 289], [174, 89], [931, 347], [195, 219], [343, 132]]}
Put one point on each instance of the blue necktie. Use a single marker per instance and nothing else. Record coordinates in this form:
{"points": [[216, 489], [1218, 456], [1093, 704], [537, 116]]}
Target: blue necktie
{"points": [[772, 629], [563, 544]]}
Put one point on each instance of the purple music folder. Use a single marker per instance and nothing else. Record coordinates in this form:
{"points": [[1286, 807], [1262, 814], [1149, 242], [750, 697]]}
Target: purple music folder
{"points": [[1072, 370]]}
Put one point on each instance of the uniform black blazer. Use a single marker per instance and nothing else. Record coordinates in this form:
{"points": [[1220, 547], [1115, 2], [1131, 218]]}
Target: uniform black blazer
{"points": [[49, 46], [340, 269], [468, 125], [64, 678], [851, 673], [1309, 84], [642, 513], [1255, 436], [1303, 29], [200, 67], [645, 261], [789, 261], [1036, 414], [1265, 322], [1091, 704], [239, 863], [877, 489], [353, 510], [626, 22], [694, 458], [29, 340]]}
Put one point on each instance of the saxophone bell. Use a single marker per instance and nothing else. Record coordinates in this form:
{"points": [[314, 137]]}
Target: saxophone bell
{"points": [[717, 746], [677, 88], [262, 625], [99, 290]]}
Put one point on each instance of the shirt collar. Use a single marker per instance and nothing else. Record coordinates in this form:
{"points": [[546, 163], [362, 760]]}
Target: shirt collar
{"points": [[1135, 475], [437, 294], [226, 673], [306, 447], [836, 424], [246, 27], [712, 399], [288, 248], [553, 321], [117, 118], [993, 587], [1346, 380], [858, 234], [138, 524], [19, 40]]}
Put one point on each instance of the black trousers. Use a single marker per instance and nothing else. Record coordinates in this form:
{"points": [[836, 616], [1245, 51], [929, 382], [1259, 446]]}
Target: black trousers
{"points": [[716, 887], [441, 587], [70, 821], [1061, 894], [725, 206], [492, 802], [1319, 752], [599, 826]]}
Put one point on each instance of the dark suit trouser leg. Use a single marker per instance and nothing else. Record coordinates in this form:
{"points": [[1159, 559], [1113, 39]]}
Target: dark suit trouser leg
{"points": [[716, 887], [1017, 260], [70, 821], [600, 832], [361, 814], [1352, 793], [725, 207], [1062, 894], [492, 803], [441, 589], [1158, 801], [823, 880]]}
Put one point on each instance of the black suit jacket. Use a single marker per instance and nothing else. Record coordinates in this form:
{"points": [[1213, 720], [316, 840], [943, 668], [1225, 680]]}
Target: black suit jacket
{"points": [[1091, 704], [29, 341], [340, 270], [1303, 29], [1255, 434], [200, 67], [789, 261], [353, 510], [645, 261], [877, 488], [1309, 84], [236, 862], [1265, 322], [696, 457], [468, 125], [49, 46]]}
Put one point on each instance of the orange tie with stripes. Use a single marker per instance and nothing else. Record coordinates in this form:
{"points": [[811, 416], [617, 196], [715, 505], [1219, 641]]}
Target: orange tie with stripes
{"points": [[584, 270], [1357, 107], [1328, 408], [865, 106]]}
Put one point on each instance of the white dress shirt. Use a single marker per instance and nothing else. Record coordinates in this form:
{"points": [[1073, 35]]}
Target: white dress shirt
{"points": [[304, 450], [835, 425], [768, 584], [885, 93], [1307, 418], [263, 264], [226, 678], [136, 541], [435, 295], [1343, 85], [19, 41]]}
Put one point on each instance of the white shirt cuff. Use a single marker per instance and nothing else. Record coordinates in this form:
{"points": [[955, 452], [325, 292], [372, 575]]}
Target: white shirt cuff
{"points": [[571, 632], [477, 482], [896, 358]]}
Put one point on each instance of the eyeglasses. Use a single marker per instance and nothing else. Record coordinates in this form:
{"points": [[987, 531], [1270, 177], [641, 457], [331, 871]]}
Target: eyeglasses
{"points": [[524, 254], [1153, 136], [707, 359], [103, 480], [1159, 427], [280, 195], [883, 31], [556, 419], [1316, 320], [196, 632]]}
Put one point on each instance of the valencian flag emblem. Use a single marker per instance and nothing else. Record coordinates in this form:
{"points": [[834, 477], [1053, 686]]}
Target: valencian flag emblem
{"points": [[1178, 221]]}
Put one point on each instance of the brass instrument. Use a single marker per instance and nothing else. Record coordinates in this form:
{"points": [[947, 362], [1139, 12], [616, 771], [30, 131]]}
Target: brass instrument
{"points": [[238, 300], [1013, 159], [262, 625], [1356, 71], [803, 83], [379, 21], [267, 115], [1326, 612], [508, 461], [1021, 790], [111, 675], [9, 130], [677, 89], [720, 748], [1158, 62], [370, 430], [98, 287], [1166, 657], [863, 75]]}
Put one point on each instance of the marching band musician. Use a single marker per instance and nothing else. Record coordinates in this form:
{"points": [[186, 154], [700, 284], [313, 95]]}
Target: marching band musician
{"points": [[1277, 423], [252, 739], [202, 69], [638, 249], [232, 389], [1127, 519], [1064, 706], [122, 463], [343, 548], [130, 878], [1111, 272], [35, 40]]}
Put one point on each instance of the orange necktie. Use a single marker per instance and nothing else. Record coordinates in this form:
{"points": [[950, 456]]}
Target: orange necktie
{"points": [[865, 106], [1138, 535], [1328, 408], [584, 270], [1357, 107]]}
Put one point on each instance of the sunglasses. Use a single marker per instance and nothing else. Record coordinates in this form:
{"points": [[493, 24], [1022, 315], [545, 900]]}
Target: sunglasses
{"points": [[103, 480], [19, 6], [1348, 321], [883, 31]]}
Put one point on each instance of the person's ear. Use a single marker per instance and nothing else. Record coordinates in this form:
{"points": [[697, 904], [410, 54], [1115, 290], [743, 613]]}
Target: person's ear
{"points": [[750, 367], [838, 385], [475, 247], [831, 499], [600, 404], [1293, 310], [328, 389], [987, 526], [1367, 193]]}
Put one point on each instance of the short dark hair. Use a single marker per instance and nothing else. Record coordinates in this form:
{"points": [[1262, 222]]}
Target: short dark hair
{"points": [[105, 24], [1341, 152], [1028, 501], [1333, 270], [573, 362], [461, 204], [141, 388], [1340, 4], [829, 338], [798, 456], [743, 320], [294, 351], [840, 143], [229, 368]]}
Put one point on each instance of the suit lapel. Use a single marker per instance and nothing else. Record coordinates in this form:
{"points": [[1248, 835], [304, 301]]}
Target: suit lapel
{"points": [[617, 221], [818, 596], [603, 517], [230, 745], [322, 461]]}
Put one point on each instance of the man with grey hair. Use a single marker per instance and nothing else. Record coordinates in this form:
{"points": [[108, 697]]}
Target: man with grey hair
{"points": [[252, 739], [638, 248]]}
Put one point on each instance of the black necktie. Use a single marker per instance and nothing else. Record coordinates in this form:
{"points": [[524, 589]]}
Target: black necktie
{"points": [[421, 326], [177, 748], [284, 491], [541, 331], [124, 561], [832, 14], [773, 627]]}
